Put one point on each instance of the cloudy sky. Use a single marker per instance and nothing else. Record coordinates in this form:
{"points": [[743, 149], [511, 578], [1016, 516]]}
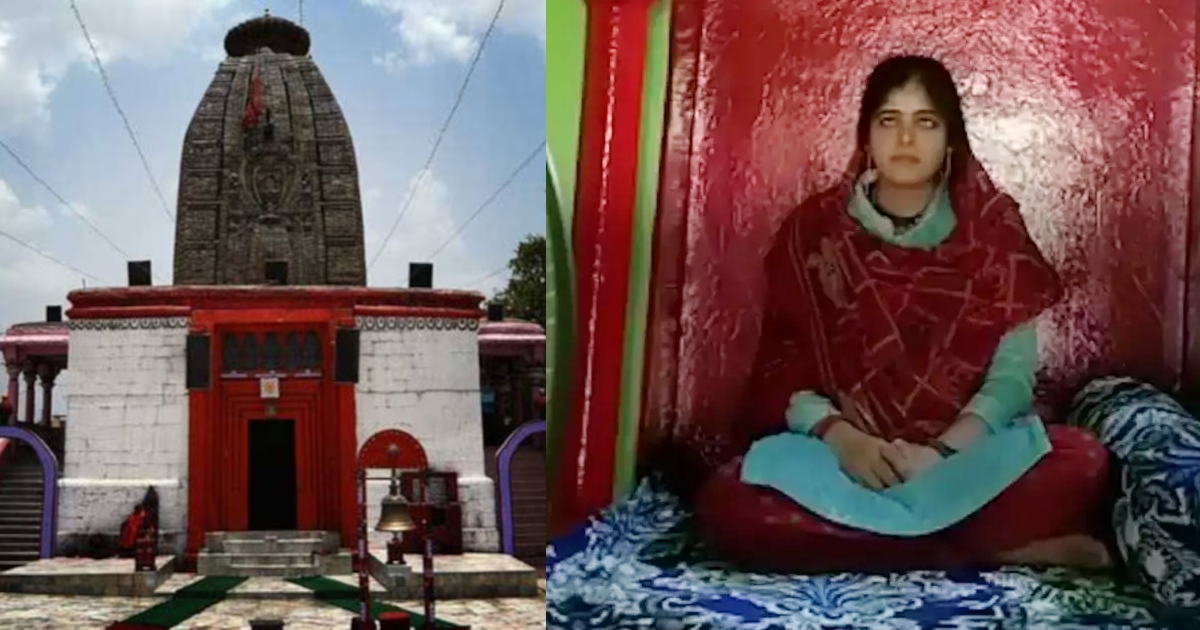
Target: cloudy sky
{"points": [[394, 65]]}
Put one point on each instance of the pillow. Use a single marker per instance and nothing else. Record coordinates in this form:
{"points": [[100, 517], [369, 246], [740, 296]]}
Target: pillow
{"points": [[1155, 445]]}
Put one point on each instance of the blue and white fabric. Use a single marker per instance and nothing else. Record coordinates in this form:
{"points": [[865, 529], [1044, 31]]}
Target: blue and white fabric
{"points": [[638, 566], [1155, 444]]}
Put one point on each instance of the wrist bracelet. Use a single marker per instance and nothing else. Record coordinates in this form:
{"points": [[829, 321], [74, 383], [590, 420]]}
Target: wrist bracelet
{"points": [[821, 428], [943, 449]]}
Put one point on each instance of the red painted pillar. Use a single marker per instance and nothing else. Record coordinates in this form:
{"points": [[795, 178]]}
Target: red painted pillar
{"points": [[602, 238], [202, 516]]}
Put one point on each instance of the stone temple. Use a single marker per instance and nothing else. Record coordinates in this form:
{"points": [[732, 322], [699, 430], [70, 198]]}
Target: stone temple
{"points": [[243, 393], [268, 173]]}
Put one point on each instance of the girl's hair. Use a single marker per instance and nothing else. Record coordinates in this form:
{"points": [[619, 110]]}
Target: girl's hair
{"points": [[896, 72]]}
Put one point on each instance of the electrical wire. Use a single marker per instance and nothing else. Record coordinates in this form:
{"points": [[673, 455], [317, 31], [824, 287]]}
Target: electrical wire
{"points": [[39, 252], [112, 95], [462, 89], [82, 217], [487, 202], [487, 277]]}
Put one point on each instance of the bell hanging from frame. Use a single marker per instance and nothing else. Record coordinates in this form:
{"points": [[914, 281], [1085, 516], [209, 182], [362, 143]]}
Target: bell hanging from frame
{"points": [[394, 515]]}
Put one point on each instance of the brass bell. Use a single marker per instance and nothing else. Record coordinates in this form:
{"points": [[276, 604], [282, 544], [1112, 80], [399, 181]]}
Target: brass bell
{"points": [[394, 515]]}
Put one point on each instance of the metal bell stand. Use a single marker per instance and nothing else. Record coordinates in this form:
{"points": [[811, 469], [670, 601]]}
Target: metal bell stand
{"points": [[391, 449]]}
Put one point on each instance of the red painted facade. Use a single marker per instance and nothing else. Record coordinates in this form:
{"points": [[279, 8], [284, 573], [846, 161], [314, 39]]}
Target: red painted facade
{"points": [[323, 411], [1083, 110]]}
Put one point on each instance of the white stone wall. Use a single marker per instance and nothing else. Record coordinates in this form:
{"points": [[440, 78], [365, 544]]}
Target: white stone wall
{"points": [[422, 376], [127, 425]]}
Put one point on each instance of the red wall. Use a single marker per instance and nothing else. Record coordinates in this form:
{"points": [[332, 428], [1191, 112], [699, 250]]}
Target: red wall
{"points": [[218, 417], [1083, 110]]}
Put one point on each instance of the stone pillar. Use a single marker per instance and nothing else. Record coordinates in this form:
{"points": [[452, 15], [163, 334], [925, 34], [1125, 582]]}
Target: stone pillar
{"points": [[47, 373], [30, 372], [14, 389]]}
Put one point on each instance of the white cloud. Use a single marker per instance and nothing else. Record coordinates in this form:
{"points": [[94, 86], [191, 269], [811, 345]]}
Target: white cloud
{"points": [[427, 224], [18, 219], [35, 280], [450, 30], [40, 40]]}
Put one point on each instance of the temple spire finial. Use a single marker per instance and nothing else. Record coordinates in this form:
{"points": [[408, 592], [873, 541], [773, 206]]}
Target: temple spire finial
{"points": [[266, 31]]}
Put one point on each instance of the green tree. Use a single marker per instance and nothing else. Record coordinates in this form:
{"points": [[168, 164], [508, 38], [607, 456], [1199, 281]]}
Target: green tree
{"points": [[525, 296]]}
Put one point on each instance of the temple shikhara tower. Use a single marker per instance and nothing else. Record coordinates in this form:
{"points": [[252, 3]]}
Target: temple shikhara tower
{"points": [[242, 393], [268, 176]]}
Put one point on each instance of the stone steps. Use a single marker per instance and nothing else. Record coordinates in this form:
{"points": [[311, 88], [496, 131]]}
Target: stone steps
{"points": [[250, 565], [239, 560], [529, 506], [272, 554], [270, 541], [13, 559], [282, 547], [22, 504], [32, 495], [28, 470], [20, 544], [21, 494], [14, 524], [8, 482], [20, 512]]}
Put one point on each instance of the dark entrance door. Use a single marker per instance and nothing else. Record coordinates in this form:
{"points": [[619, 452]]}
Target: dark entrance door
{"points": [[272, 467]]}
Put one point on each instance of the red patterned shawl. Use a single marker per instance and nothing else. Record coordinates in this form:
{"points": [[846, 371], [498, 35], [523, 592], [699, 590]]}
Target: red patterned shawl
{"points": [[907, 334]]}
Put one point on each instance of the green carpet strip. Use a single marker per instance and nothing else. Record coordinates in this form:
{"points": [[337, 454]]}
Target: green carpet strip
{"points": [[183, 604], [345, 596]]}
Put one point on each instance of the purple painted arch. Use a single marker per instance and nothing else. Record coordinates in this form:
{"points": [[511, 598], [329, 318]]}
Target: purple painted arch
{"points": [[504, 464], [49, 484]]}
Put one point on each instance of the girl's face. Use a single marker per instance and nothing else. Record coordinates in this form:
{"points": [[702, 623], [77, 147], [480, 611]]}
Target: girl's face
{"points": [[908, 138]]}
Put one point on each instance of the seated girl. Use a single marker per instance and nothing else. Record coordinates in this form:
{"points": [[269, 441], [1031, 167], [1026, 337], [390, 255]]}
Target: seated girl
{"points": [[898, 349]]}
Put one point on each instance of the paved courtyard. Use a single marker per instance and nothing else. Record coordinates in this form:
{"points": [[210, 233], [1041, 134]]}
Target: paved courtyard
{"points": [[44, 612]]}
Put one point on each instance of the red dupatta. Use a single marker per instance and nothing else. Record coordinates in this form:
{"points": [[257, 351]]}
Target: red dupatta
{"points": [[906, 334]]}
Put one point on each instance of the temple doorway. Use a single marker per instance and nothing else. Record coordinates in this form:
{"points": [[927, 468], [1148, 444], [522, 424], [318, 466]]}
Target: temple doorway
{"points": [[271, 486]]}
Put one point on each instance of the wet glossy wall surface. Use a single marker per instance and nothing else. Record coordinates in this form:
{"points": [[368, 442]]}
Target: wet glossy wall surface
{"points": [[1083, 110]]}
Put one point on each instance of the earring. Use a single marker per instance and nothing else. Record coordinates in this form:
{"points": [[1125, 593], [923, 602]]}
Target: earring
{"points": [[946, 168], [870, 175]]}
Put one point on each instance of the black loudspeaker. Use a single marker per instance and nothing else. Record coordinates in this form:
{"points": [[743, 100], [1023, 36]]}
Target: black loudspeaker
{"points": [[345, 356], [495, 311], [420, 275], [54, 313], [139, 273], [199, 372], [277, 272]]}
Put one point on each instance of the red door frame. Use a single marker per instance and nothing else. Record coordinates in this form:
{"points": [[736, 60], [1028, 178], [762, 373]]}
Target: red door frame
{"points": [[326, 440], [300, 402]]}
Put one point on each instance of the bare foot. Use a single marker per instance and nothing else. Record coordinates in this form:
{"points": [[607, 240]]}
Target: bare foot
{"points": [[1078, 551]]}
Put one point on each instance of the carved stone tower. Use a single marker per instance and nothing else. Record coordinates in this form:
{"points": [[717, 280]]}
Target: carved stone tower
{"points": [[268, 189]]}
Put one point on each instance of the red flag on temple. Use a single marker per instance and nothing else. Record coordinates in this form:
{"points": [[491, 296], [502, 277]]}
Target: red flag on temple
{"points": [[254, 104]]}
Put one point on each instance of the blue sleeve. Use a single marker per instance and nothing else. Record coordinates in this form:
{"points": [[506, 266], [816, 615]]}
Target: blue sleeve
{"points": [[1007, 390]]}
